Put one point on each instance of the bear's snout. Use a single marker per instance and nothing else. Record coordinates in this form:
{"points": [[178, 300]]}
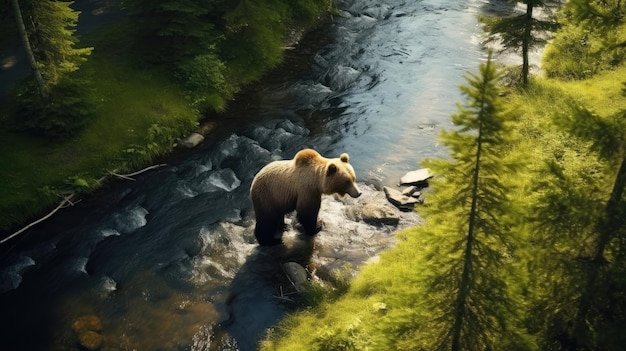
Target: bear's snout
{"points": [[354, 192]]}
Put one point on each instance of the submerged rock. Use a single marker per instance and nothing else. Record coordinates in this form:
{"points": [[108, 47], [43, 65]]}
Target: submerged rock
{"points": [[90, 340], [87, 330]]}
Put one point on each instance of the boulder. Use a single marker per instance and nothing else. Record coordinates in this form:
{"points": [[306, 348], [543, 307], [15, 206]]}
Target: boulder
{"points": [[376, 213], [403, 202], [191, 141], [418, 177], [297, 275]]}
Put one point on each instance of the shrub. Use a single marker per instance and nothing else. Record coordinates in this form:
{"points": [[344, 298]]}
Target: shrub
{"points": [[204, 81], [65, 112]]}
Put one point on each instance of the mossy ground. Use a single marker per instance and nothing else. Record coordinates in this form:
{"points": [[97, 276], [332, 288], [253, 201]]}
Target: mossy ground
{"points": [[137, 108]]}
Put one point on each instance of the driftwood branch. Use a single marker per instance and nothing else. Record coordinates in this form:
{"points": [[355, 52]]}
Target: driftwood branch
{"points": [[130, 175], [68, 201], [122, 176]]}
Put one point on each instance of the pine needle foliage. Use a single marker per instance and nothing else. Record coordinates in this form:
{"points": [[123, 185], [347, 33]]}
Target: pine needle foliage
{"points": [[52, 33], [464, 301], [586, 307], [522, 32], [592, 39]]}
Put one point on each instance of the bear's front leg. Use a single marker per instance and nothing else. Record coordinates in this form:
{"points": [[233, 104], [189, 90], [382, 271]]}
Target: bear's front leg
{"points": [[269, 231], [307, 216]]}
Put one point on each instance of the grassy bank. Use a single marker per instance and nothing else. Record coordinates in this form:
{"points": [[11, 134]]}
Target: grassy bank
{"points": [[141, 105], [138, 114], [353, 321]]}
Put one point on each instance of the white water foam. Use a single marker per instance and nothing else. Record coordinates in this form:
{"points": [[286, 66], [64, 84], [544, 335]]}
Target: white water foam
{"points": [[131, 220], [224, 179], [80, 264], [107, 286], [109, 232], [11, 277]]}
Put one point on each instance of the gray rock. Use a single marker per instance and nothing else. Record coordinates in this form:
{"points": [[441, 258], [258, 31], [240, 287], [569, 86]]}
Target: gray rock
{"points": [[417, 177], [409, 191], [378, 214], [403, 202], [191, 141], [297, 275]]}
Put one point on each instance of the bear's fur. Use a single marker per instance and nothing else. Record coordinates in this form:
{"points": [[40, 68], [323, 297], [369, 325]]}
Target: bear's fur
{"points": [[297, 184]]}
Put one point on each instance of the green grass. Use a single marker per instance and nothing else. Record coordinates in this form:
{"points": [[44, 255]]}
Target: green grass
{"points": [[129, 99], [351, 321]]}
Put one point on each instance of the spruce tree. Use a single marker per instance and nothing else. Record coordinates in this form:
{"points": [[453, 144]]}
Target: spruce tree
{"points": [[32, 61], [522, 32], [54, 40], [461, 297], [585, 308]]}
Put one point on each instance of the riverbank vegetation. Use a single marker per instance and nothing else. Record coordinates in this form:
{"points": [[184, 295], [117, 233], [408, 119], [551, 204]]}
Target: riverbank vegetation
{"points": [[530, 259], [129, 87]]}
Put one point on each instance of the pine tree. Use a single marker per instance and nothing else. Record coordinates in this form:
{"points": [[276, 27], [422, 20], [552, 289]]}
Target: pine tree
{"points": [[461, 298], [608, 139], [54, 40], [521, 33], [17, 14], [174, 31]]}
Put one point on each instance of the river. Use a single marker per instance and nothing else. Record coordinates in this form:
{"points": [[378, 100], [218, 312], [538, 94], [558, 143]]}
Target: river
{"points": [[169, 261]]}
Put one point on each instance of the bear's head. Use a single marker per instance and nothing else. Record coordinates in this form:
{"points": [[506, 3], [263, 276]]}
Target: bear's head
{"points": [[340, 177]]}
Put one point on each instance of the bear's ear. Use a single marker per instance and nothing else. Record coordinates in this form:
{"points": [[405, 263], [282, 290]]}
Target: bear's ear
{"points": [[332, 169], [344, 157]]}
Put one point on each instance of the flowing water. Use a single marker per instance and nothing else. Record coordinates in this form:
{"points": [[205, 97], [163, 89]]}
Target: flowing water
{"points": [[169, 261]]}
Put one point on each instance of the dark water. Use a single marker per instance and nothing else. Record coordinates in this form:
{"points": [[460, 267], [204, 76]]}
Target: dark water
{"points": [[169, 262]]}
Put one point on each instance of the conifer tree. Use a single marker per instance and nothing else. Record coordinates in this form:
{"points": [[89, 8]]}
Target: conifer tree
{"points": [[588, 312], [52, 33], [521, 33], [17, 14], [54, 39], [174, 31], [461, 298]]}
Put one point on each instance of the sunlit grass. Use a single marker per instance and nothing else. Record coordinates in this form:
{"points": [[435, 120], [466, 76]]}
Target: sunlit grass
{"points": [[350, 322]]}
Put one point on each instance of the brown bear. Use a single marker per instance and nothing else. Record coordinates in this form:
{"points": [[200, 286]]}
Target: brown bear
{"points": [[298, 184]]}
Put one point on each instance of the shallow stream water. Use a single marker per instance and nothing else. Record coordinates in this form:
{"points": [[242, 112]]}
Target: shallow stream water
{"points": [[169, 261]]}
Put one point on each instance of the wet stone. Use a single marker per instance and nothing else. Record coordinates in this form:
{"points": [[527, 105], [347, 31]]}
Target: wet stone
{"points": [[90, 340], [297, 275], [89, 322], [403, 202], [408, 191], [418, 177], [378, 214], [191, 141], [87, 329]]}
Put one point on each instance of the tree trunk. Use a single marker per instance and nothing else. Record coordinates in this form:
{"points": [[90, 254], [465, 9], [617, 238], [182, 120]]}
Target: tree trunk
{"points": [[29, 52], [464, 285], [526, 42], [606, 228]]}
